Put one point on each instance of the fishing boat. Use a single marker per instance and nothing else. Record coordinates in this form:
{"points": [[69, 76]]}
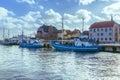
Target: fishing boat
{"points": [[31, 43], [9, 42], [77, 44], [81, 43]]}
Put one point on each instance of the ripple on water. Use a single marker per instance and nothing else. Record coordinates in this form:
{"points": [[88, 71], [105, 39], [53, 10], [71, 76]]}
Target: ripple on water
{"points": [[41, 64]]}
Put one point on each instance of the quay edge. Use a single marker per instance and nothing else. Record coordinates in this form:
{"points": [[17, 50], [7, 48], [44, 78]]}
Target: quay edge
{"points": [[110, 47]]}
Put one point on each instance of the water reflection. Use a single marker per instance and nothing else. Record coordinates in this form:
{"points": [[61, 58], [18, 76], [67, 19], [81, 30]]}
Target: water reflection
{"points": [[47, 64], [100, 66]]}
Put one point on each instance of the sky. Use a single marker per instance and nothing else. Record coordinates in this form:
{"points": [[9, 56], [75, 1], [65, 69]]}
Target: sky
{"points": [[28, 15]]}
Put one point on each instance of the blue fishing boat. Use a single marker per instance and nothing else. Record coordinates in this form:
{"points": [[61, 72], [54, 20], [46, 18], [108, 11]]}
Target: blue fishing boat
{"points": [[32, 43], [76, 45]]}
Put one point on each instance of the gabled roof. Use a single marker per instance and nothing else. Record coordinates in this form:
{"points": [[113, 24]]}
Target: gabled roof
{"points": [[102, 24], [75, 31]]}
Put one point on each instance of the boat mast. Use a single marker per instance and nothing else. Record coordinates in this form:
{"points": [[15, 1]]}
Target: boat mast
{"points": [[8, 33], [83, 24], [3, 33], [62, 30], [22, 34]]}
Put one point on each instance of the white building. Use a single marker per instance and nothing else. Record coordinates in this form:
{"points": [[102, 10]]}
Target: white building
{"points": [[105, 32]]}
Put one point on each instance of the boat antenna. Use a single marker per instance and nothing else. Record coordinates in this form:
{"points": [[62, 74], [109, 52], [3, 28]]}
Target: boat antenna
{"points": [[62, 29]]}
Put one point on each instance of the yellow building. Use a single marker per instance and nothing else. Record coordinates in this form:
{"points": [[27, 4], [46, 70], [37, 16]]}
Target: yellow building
{"points": [[68, 34]]}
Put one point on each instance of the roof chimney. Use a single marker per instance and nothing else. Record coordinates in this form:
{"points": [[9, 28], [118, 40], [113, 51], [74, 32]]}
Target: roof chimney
{"points": [[111, 18]]}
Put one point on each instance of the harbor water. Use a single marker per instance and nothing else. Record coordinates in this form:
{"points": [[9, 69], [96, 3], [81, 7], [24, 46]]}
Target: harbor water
{"points": [[47, 64]]}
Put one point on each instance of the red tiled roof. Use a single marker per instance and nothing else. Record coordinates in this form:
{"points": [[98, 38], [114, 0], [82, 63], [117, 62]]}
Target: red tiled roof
{"points": [[75, 31], [102, 24]]}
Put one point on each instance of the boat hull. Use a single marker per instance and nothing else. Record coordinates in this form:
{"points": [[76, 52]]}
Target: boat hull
{"points": [[29, 45], [9, 43], [75, 48]]}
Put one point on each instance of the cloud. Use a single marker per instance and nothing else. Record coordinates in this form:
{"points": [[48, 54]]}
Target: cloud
{"points": [[85, 2], [41, 7], [82, 13], [28, 22], [98, 18], [33, 19], [117, 18], [73, 21], [4, 13], [112, 9], [32, 16], [51, 17], [6, 18], [27, 1], [70, 18]]}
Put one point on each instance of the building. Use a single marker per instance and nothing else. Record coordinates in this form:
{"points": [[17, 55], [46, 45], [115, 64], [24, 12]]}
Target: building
{"points": [[86, 33], [68, 34], [76, 33], [105, 32], [46, 32]]}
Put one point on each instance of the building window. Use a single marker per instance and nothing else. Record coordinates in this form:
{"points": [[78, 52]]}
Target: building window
{"points": [[91, 30], [97, 29], [94, 30], [91, 35], [119, 30], [110, 38], [110, 34], [97, 34], [101, 34], [101, 29], [97, 39], [110, 29], [101, 38], [106, 29], [106, 39]]}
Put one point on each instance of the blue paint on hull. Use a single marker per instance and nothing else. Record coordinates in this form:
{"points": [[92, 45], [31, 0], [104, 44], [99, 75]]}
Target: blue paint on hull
{"points": [[25, 45], [74, 48]]}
